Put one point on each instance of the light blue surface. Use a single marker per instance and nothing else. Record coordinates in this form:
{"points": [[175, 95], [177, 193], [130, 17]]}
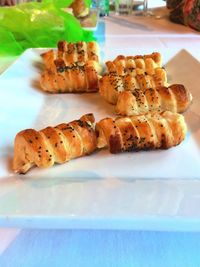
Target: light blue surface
{"points": [[102, 249], [154, 223]]}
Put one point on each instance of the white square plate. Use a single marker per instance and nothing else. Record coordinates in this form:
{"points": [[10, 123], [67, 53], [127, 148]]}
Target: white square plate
{"points": [[143, 190]]}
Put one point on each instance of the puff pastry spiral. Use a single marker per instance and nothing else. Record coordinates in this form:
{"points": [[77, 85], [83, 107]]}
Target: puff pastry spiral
{"points": [[111, 85], [54, 144], [144, 132], [175, 98], [74, 78], [73, 67], [70, 53], [146, 64]]}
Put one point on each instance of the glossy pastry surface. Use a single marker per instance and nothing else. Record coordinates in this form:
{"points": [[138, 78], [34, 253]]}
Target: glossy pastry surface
{"points": [[175, 98], [111, 85], [144, 132], [53, 145]]}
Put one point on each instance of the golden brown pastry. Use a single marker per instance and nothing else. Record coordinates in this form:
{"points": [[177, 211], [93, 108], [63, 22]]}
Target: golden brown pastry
{"points": [[71, 53], [174, 98], [146, 64], [111, 85], [143, 132], [54, 144], [73, 67], [67, 79], [79, 8]]}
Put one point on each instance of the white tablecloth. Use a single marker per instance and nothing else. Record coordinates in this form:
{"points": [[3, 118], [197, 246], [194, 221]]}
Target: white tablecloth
{"points": [[111, 248], [136, 26]]}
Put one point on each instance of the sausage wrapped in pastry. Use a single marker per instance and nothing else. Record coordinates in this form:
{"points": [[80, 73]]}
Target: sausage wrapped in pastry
{"points": [[146, 64], [67, 79], [150, 131], [174, 98], [111, 85], [54, 144], [73, 53], [73, 67]]}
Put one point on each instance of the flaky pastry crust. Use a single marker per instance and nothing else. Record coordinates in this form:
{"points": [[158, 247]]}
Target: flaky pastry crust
{"points": [[151, 131], [53, 145]]}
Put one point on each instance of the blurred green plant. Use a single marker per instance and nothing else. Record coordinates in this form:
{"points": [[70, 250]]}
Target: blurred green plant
{"points": [[41, 24]]}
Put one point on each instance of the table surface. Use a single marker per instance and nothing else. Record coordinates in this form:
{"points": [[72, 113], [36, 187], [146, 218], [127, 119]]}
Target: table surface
{"points": [[20, 247], [136, 26]]}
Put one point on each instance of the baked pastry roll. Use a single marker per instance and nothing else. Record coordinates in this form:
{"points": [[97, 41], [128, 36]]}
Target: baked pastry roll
{"points": [[143, 132], [73, 67], [146, 64], [175, 98], [71, 53], [70, 79], [111, 85], [54, 144], [79, 8]]}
